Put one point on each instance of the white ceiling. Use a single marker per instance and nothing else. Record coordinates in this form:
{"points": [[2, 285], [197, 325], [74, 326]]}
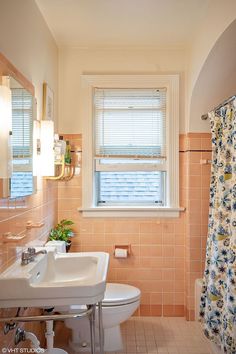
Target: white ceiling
{"points": [[123, 22]]}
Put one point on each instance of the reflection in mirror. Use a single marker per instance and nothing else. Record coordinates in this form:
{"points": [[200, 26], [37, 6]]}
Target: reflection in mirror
{"points": [[23, 108]]}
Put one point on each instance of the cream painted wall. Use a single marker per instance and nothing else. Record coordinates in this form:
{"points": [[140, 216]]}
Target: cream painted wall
{"points": [[218, 17], [76, 61], [29, 45], [27, 42], [73, 62], [217, 79]]}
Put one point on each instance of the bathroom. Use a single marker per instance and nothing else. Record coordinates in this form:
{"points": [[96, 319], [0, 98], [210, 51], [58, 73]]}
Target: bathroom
{"points": [[167, 252]]}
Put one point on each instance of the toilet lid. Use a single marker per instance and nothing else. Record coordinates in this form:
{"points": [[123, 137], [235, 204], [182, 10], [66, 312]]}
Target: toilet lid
{"points": [[120, 294]]}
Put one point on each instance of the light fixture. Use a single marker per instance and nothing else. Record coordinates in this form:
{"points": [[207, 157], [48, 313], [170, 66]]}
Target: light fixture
{"points": [[49, 153], [5, 132], [43, 146], [47, 148], [36, 147]]}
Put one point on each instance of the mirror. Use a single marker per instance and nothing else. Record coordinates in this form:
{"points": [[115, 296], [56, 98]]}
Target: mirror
{"points": [[20, 152], [22, 181]]}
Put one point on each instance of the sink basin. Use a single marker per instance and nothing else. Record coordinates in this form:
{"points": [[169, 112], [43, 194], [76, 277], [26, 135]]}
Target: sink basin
{"points": [[55, 279]]}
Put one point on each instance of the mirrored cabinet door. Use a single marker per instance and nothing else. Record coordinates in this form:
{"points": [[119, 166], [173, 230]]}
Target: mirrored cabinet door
{"points": [[17, 113], [22, 102]]}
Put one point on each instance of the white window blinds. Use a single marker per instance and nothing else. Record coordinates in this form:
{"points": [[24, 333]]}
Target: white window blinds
{"points": [[130, 123], [22, 124], [22, 120], [130, 146]]}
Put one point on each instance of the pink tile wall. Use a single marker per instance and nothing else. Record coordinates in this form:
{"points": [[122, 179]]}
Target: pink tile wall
{"points": [[167, 254], [15, 213], [197, 147], [157, 263]]}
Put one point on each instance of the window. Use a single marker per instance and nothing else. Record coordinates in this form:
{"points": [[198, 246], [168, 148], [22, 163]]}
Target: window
{"points": [[22, 121], [130, 154], [130, 146]]}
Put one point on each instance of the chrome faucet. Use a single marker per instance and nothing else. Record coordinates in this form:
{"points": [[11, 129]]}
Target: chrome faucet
{"points": [[29, 255]]}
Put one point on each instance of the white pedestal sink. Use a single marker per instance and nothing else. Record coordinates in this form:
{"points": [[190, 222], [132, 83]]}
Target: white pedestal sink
{"points": [[55, 279]]}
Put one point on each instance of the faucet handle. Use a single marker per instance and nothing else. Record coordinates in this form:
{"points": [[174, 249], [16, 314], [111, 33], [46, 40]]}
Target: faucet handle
{"points": [[31, 251], [25, 258]]}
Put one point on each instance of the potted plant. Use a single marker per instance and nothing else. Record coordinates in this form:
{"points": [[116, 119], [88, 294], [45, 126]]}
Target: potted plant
{"points": [[62, 232]]}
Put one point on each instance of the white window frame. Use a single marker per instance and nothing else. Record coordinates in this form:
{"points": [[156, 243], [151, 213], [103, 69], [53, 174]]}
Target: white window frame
{"points": [[171, 83]]}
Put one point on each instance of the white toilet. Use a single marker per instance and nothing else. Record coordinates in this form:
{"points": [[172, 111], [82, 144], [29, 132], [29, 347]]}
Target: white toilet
{"points": [[119, 303]]}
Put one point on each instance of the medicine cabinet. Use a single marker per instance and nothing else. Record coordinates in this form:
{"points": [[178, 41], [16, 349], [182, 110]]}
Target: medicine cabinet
{"points": [[19, 180]]}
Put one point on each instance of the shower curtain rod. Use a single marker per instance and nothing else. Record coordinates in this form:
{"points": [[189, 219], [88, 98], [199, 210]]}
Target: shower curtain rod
{"points": [[205, 116]]}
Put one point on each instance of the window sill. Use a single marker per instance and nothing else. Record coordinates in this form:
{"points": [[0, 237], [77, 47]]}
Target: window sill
{"points": [[129, 212]]}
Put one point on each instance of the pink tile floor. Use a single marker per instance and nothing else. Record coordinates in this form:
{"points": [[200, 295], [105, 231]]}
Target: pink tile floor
{"points": [[155, 335]]}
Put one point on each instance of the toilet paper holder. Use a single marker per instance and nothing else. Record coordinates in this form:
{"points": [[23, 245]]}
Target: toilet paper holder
{"points": [[123, 247]]}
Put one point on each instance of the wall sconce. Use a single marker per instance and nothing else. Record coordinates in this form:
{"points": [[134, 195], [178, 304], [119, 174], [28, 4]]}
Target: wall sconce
{"points": [[5, 132], [64, 167], [36, 147], [49, 153], [43, 148]]}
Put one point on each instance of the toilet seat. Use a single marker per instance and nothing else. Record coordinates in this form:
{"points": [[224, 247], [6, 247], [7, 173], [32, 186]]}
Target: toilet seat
{"points": [[116, 295], [120, 294]]}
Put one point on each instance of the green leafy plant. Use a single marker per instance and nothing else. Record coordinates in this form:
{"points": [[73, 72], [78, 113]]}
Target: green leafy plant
{"points": [[62, 231]]}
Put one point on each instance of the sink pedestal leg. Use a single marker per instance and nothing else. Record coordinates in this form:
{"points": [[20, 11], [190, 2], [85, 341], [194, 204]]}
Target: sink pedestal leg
{"points": [[92, 328], [101, 329]]}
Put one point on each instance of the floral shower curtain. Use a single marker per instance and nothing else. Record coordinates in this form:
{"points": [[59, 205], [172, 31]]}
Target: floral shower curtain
{"points": [[218, 300]]}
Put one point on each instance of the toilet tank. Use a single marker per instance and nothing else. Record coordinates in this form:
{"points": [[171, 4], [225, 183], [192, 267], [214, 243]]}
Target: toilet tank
{"points": [[198, 291]]}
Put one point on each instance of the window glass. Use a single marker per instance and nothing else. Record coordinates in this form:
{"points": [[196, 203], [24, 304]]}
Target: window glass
{"points": [[130, 146]]}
